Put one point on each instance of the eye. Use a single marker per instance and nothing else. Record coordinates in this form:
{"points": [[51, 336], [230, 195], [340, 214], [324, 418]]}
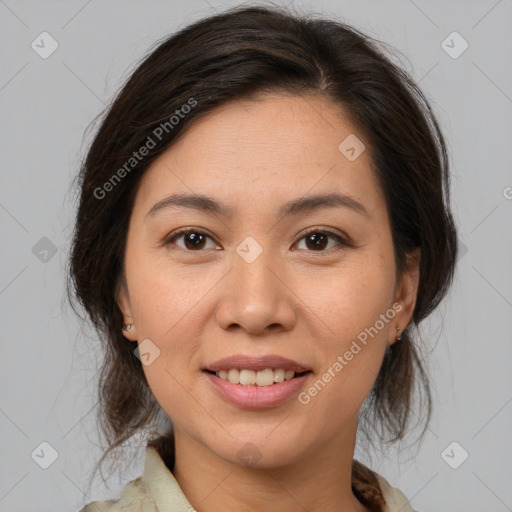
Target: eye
{"points": [[193, 239], [318, 239]]}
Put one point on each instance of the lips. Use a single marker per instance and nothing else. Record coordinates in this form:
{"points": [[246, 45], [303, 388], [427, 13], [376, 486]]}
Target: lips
{"points": [[256, 363]]}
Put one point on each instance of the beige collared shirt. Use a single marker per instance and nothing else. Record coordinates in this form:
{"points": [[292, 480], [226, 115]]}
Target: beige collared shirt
{"points": [[158, 491]]}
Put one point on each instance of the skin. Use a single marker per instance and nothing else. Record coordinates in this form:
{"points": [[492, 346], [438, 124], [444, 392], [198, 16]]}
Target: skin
{"points": [[198, 305]]}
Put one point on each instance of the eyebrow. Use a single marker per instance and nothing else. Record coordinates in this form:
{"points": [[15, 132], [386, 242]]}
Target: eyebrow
{"points": [[294, 207]]}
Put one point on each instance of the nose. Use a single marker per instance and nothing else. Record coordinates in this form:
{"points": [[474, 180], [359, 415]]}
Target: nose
{"points": [[257, 297]]}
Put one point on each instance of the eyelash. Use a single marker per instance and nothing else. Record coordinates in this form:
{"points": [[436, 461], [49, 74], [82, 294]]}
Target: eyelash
{"points": [[343, 242]]}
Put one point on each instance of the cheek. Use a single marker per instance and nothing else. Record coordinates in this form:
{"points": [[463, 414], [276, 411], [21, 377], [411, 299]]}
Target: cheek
{"points": [[167, 299], [345, 301], [352, 311], [351, 356], [169, 304], [167, 317]]}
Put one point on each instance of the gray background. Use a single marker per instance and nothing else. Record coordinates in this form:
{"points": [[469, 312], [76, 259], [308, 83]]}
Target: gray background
{"points": [[48, 364]]}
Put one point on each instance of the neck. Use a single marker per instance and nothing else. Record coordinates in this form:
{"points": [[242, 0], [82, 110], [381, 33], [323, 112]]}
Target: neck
{"points": [[319, 481]]}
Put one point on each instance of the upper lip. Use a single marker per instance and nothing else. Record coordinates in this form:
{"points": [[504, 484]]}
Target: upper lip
{"points": [[256, 363]]}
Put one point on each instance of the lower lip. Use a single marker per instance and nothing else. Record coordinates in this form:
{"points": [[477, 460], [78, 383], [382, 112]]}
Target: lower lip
{"points": [[258, 397]]}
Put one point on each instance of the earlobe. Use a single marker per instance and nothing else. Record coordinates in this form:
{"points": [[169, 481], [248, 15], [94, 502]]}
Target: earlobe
{"points": [[127, 327], [123, 301]]}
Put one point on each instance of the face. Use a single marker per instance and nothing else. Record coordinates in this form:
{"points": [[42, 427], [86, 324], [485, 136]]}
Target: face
{"points": [[315, 283]]}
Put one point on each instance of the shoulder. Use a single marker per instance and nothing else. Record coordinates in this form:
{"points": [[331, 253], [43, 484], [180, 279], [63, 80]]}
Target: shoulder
{"points": [[376, 492], [395, 499], [98, 506], [134, 498]]}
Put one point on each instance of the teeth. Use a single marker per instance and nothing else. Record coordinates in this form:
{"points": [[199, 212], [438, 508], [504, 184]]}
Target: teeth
{"points": [[234, 376], [279, 375], [264, 378], [249, 377]]}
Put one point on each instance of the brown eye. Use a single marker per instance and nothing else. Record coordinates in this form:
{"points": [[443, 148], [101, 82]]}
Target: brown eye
{"points": [[317, 240], [193, 240]]}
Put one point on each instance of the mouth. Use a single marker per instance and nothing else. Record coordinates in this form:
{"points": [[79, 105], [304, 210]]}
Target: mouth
{"points": [[257, 383]]}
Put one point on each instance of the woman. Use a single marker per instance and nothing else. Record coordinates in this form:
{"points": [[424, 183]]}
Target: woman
{"points": [[263, 222]]}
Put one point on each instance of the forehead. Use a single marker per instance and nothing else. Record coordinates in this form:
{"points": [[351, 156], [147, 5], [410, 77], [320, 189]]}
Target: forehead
{"points": [[272, 147]]}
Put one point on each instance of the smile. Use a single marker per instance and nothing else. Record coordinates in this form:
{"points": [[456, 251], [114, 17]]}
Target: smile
{"points": [[245, 377], [247, 393]]}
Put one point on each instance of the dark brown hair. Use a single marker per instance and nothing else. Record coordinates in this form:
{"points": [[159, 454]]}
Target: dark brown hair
{"points": [[238, 54]]}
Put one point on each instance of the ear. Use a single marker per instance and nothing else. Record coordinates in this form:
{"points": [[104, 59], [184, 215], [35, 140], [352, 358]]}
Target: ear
{"points": [[123, 301], [406, 295]]}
